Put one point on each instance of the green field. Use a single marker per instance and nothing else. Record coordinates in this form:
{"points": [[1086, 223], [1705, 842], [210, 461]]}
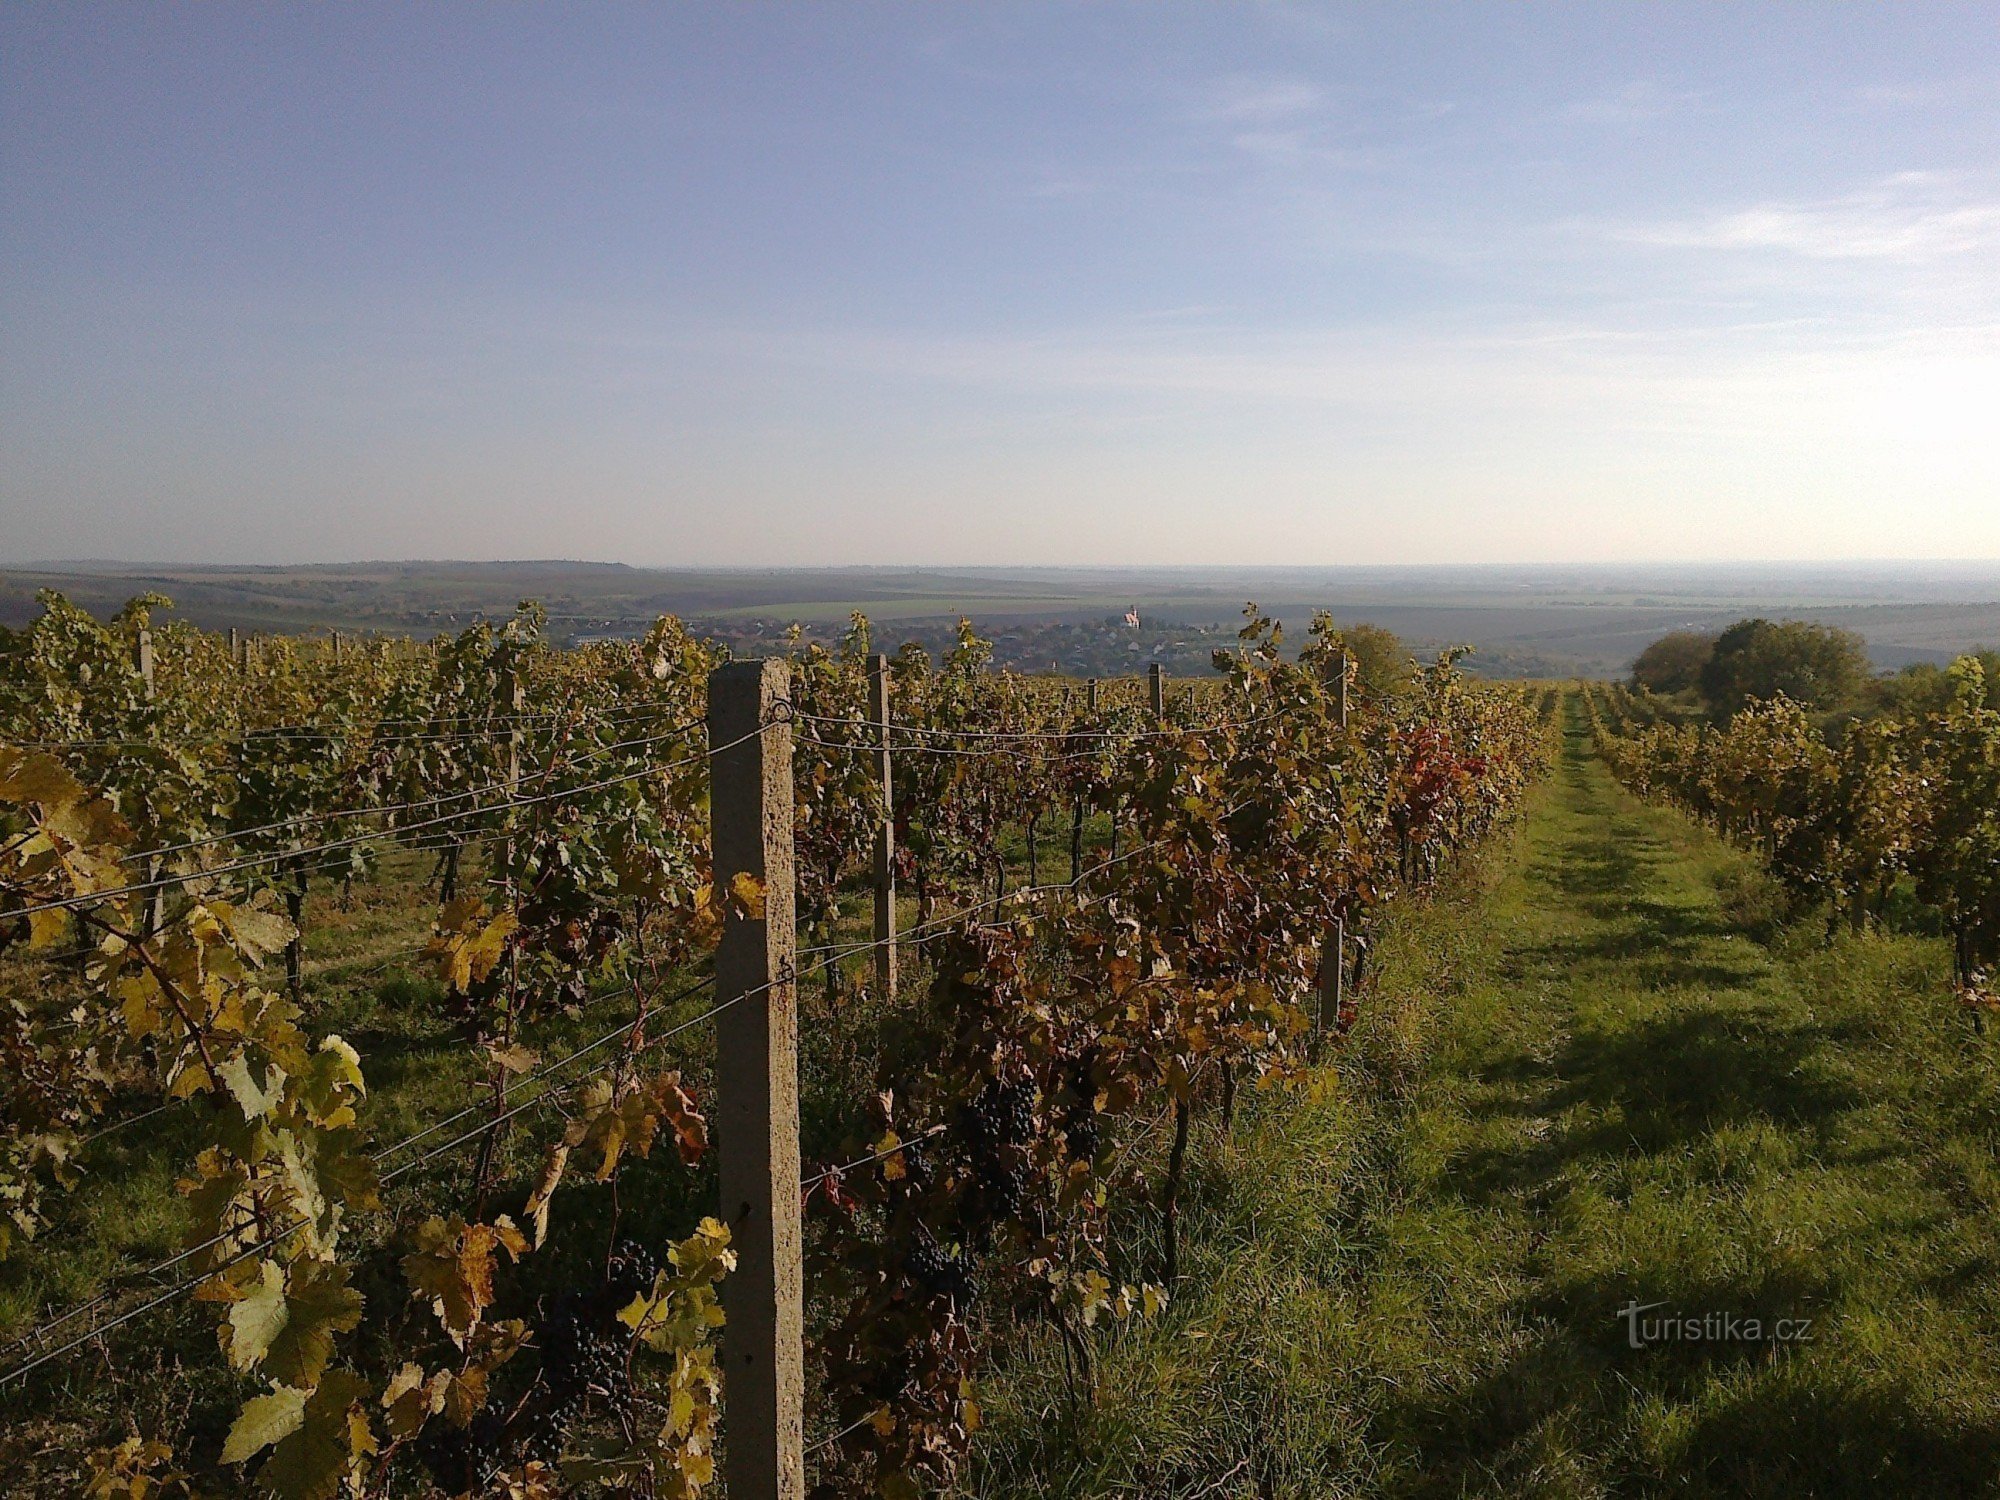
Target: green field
{"points": [[1601, 1072]]}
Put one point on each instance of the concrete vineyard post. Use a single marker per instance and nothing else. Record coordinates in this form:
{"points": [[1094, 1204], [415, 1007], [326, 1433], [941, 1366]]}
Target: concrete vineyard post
{"points": [[514, 695], [142, 663], [1333, 975], [1333, 956], [757, 1080], [885, 836], [1158, 685]]}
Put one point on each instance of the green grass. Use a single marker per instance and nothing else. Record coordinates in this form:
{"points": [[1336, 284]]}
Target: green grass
{"points": [[1581, 1080]]}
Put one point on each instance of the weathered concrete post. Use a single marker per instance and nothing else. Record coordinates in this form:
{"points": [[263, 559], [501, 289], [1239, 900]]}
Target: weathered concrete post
{"points": [[885, 836], [757, 1082], [1158, 684], [1332, 975], [142, 659]]}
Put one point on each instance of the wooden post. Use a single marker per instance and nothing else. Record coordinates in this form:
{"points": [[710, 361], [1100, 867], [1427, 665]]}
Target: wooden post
{"points": [[142, 658], [885, 836], [235, 649], [1090, 697], [757, 1083], [1159, 690], [336, 647], [1340, 689]]}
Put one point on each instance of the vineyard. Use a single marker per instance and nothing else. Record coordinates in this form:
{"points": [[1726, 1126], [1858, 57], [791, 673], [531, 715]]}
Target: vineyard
{"points": [[477, 1067], [1896, 814]]}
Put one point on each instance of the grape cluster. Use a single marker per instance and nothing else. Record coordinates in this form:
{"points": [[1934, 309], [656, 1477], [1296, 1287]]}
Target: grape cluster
{"points": [[1002, 1115], [942, 1275], [583, 1355], [583, 1348], [1083, 1135], [463, 1459], [998, 1126], [633, 1270], [916, 1164], [1081, 1126]]}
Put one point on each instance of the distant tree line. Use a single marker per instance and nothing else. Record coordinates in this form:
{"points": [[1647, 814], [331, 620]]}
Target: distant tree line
{"points": [[1820, 667]]}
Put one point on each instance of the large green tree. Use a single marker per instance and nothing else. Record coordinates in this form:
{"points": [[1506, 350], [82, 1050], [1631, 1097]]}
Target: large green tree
{"points": [[1817, 666], [1383, 666], [1674, 663]]}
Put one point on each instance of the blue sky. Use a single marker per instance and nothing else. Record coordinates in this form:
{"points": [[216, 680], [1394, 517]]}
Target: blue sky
{"points": [[1013, 283]]}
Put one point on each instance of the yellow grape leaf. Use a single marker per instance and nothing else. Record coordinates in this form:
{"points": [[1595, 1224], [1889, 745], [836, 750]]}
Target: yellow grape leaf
{"points": [[453, 1267], [254, 1099], [47, 928], [410, 1400], [892, 1163], [537, 1206], [30, 776], [469, 941], [257, 934], [746, 895], [516, 1059]]}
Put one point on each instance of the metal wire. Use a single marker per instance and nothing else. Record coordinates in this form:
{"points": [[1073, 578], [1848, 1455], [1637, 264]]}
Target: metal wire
{"points": [[841, 1171], [250, 862], [484, 1126], [306, 820], [1036, 734]]}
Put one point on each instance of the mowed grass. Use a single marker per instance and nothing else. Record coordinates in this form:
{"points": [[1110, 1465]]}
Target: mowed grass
{"points": [[1598, 1072]]}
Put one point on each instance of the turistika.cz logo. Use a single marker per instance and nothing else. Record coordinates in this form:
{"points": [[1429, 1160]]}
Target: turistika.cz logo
{"points": [[1644, 1325]]}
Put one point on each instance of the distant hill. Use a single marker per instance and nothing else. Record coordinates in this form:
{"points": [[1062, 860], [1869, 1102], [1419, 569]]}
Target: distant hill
{"points": [[1523, 621]]}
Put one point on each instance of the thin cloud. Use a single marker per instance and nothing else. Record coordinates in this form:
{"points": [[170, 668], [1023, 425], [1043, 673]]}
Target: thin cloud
{"points": [[1907, 217], [1262, 100]]}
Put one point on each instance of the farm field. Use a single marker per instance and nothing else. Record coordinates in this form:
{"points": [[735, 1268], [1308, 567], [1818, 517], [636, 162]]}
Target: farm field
{"points": [[1548, 622], [1594, 1073]]}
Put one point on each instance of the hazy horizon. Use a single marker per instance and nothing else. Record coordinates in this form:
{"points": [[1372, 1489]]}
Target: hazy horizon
{"points": [[1971, 564], [899, 285]]}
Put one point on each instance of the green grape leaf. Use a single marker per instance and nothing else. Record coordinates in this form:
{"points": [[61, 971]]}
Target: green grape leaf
{"points": [[287, 1320], [325, 1447], [263, 1421]]}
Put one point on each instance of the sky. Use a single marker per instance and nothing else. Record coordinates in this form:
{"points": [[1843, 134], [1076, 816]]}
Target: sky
{"points": [[1018, 283]]}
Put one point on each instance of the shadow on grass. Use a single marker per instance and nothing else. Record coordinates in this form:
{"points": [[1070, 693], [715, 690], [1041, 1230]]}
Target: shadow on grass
{"points": [[1660, 1085], [1784, 1427]]}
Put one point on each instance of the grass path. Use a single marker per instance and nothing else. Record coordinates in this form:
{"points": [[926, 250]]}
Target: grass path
{"points": [[1591, 1079]]}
